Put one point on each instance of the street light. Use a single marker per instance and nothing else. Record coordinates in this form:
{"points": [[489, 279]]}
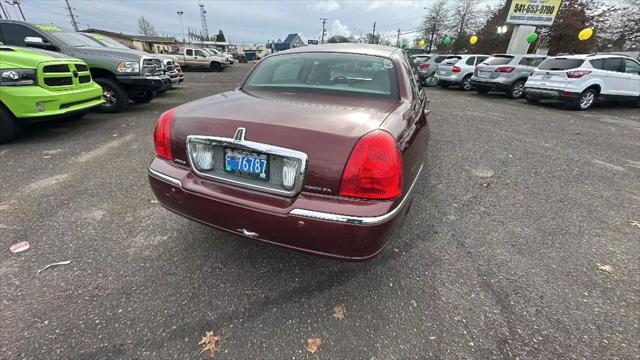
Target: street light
{"points": [[184, 40]]}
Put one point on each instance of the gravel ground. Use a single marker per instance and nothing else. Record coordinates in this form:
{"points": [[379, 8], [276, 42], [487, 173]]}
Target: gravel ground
{"points": [[499, 258]]}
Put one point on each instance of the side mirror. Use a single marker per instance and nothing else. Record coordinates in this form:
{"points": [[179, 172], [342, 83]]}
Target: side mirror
{"points": [[37, 42]]}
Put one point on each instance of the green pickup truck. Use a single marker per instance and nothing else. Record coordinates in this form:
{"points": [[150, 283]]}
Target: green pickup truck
{"points": [[40, 85]]}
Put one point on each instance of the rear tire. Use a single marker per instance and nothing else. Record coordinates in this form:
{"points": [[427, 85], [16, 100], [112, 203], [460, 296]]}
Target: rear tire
{"points": [[10, 127], [516, 90], [586, 100], [143, 97], [115, 96], [466, 83], [214, 66]]}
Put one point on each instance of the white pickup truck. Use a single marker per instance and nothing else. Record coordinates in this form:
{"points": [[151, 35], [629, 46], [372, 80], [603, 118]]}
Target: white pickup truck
{"points": [[199, 59]]}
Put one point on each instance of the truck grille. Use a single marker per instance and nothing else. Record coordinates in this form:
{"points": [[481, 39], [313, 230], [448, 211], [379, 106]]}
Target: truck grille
{"points": [[58, 81], [58, 68], [56, 75]]}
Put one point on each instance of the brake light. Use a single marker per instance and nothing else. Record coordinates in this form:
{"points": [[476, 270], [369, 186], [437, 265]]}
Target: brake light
{"points": [[424, 66], [456, 69], [505, 69], [162, 135], [577, 74], [374, 168]]}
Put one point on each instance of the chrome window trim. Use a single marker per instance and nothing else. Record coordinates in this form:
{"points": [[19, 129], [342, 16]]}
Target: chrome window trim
{"points": [[359, 220], [166, 178], [250, 146]]}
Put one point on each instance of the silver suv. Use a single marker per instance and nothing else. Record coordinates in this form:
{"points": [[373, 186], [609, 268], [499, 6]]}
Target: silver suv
{"points": [[505, 73], [456, 70]]}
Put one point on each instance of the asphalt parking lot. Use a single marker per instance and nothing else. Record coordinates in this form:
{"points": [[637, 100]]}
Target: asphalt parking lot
{"points": [[504, 254]]}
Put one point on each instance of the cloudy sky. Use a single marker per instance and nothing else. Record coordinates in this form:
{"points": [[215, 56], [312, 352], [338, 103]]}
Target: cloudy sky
{"points": [[243, 21]]}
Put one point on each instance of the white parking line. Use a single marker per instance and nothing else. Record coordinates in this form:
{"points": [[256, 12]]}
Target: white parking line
{"points": [[102, 150]]}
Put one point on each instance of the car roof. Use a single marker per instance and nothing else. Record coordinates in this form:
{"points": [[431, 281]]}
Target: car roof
{"points": [[347, 48], [590, 56], [527, 55]]}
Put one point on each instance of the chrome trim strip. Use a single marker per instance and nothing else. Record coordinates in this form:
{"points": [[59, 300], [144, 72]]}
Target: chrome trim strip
{"points": [[359, 220], [253, 146], [166, 178]]}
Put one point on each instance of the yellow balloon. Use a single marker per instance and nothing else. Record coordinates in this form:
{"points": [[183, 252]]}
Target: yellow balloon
{"points": [[473, 40], [585, 34], [422, 43]]}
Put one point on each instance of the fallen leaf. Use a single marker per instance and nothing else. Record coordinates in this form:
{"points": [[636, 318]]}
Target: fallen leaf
{"points": [[339, 312], [486, 184], [313, 344], [210, 343], [635, 223], [459, 318], [46, 157], [605, 268], [432, 337]]}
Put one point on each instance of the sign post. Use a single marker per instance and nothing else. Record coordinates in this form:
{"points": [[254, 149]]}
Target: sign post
{"points": [[527, 14]]}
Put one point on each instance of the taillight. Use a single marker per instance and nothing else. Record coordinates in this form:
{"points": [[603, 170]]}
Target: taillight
{"points": [[162, 135], [505, 69], [374, 168], [456, 69], [577, 74], [424, 66]]}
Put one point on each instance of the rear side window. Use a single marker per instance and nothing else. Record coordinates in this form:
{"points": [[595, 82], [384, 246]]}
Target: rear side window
{"points": [[189, 52], [471, 60], [439, 59], [498, 60], [481, 59], [597, 63], [536, 61], [560, 64], [14, 34]]}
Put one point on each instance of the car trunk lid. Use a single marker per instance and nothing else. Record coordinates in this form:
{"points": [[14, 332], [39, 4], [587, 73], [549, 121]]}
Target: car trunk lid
{"points": [[445, 68], [321, 126]]}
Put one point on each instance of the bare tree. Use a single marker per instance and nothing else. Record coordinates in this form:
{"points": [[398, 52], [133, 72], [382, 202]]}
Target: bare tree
{"points": [[435, 22], [340, 39], [464, 21], [145, 28]]}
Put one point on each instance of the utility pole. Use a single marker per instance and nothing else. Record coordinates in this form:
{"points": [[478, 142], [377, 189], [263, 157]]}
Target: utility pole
{"points": [[73, 17], [203, 19], [398, 42], [324, 21], [4, 12], [373, 34], [184, 40], [16, 2]]}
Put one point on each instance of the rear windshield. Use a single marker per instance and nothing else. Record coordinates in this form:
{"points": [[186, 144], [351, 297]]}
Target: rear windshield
{"points": [[560, 64], [421, 58], [498, 60], [327, 73], [451, 60]]}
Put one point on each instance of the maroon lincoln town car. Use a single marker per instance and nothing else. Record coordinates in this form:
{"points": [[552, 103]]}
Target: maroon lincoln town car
{"points": [[317, 150]]}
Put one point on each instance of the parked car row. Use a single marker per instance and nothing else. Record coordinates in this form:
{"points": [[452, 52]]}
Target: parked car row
{"points": [[580, 80], [48, 73]]}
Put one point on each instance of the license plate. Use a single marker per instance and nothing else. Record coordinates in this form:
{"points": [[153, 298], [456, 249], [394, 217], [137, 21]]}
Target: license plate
{"points": [[484, 74], [547, 77], [246, 164]]}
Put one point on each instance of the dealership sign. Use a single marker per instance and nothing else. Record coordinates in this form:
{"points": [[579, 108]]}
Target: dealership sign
{"points": [[533, 12]]}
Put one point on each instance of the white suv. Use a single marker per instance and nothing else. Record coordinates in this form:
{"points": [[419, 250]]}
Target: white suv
{"points": [[583, 79], [456, 70]]}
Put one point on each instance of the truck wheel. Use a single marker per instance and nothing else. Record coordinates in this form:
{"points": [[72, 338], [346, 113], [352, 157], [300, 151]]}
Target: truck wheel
{"points": [[143, 96], [516, 91], [10, 127], [115, 97], [215, 67]]}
